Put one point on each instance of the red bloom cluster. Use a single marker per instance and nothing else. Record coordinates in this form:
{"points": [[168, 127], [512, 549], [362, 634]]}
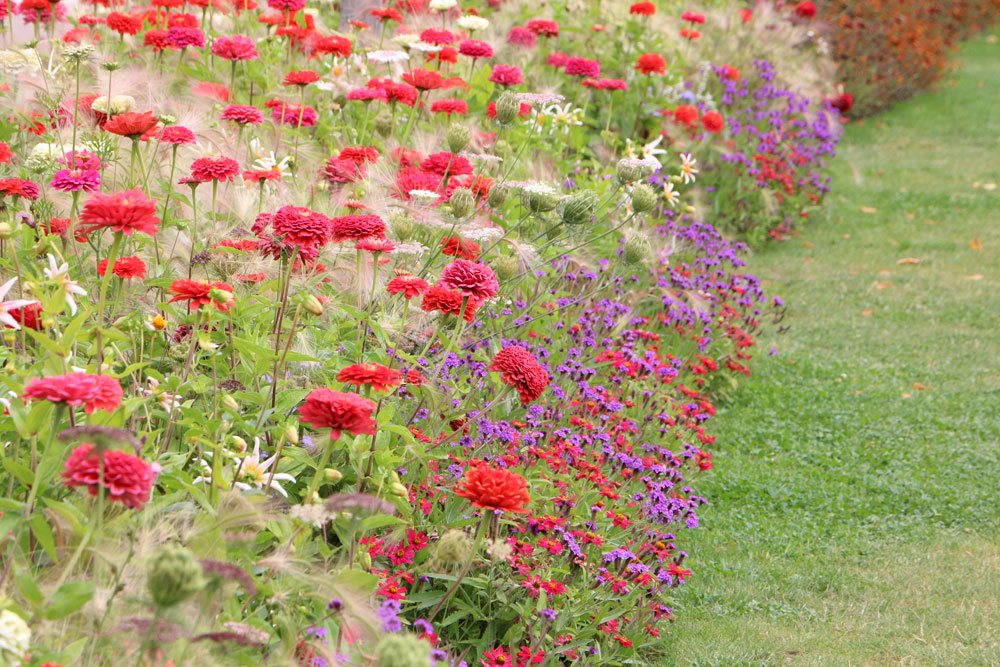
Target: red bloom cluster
{"points": [[519, 369], [338, 411], [125, 478], [199, 293], [495, 489], [93, 392], [126, 212], [379, 377], [126, 268]]}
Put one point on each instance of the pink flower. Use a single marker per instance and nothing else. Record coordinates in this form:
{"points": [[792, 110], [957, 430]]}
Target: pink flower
{"points": [[506, 75], [94, 392], [472, 279], [126, 479], [77, 180], [236, 47]]}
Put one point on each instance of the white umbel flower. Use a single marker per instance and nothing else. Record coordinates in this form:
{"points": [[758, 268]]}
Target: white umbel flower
{"points": [[15, 636], [473, 23], [443, 5]]}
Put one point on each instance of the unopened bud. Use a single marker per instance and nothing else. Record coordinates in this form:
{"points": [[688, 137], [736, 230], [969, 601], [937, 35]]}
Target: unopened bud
{"points": [[462, 203], [221, 296], [6, 230], [312, 304], [579, 208], [292, 434], [333, 475], [505, 266], [402, 226], [458, 137], [643, 198], [365, 560], [230, 403], [239, 444], [497, 197], [508, 107], [637, 249], [383, 125], [399, 490]]}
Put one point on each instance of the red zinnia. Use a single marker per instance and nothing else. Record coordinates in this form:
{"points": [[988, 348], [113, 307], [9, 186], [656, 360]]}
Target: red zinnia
{"points": [[651, 63], [642, 9], [126, 479], [236, 47], [686, 114], [446, 300], [301, 226], [381, 378], [543, 27], [423, 79], [131, 124], [338, 411], [300, 78], [519, 369], [126, 212], [407, 284], [472, 279], [495, 489], [126, 268], [357, 227], [202, 292], [713, 122], [243, 114], [806, 9], [207, 169], [93, 392], [456, 246], [450, 105]]}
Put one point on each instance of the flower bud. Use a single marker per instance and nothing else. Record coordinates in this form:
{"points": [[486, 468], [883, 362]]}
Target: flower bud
{"points": [[239, 444], [690, 210], [643, 198], [458, 137], [453, 550], [333, 475], [402, 650], [637, 249], [538, 202], [399, 490], [628, 173], [579, 208], [6, 230], [205, 343], [383, 125], [505, 266], [221, 296], [312, 304], [402, 226], [230, 403], [497, 197], [508, 107], [173, 575], [462, 203], [292, 434], [365, 560]]}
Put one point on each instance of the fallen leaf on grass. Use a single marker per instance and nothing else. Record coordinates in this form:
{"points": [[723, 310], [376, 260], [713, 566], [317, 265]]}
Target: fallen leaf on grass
{"points": [[920, 387], [884, 284], [989, 186], [910, 216], [868, 209], [906, 395], [976, 245], [807, 245], [885, 273], [908, 261], [974, 276], [867, 311]]}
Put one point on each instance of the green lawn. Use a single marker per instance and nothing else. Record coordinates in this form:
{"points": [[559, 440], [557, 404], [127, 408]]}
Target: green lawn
{"points": [[855, 515]]}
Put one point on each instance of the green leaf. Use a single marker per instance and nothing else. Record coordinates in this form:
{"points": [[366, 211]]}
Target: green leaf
{"points": [[28, 589], [358, 580], [43, 533], [20, 471], [68, 599]]}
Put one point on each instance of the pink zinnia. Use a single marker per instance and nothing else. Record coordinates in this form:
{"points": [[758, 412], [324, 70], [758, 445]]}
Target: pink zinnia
{"points": [[177, 135], [507, 75], [77, 180], [93, 392], [583, 67], [473, 48], [126, 479], [408, 285], [338, 411], [357, 227], [236, 47], [301, 226], [243, 114], [215, 169], [518, 368], [471, 279]]}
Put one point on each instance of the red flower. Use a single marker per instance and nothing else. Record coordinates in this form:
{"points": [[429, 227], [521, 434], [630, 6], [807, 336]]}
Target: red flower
{"points": [[381, 378], [437, 36], [642, 9], [693, 17], [176, 135], [359, 154], [450, 105], [374, 244], [472, 279], [543, 27], [301, 226], [686, 114], [6, 155], [842, 103], [582, 67], [236, 47], [806, 9], [357, 227], [19, 187], [93, 392], [445, 163], [457, 247], [126, 212], [126, 268], [495, 489], [713, 122], [202, 292], [243, 114], [407, 284], [124, 24], [29, 316], [207, 169], [387, 14], [342, 170], [473, 48], [443, 299], [337, 411], [423, 79], [300, 78], [127, 479], [507, 75], [132, 125], [651, 63], [519, 369]]}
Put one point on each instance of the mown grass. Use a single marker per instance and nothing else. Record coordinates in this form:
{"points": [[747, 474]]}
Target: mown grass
{"points": [[855, 514]]}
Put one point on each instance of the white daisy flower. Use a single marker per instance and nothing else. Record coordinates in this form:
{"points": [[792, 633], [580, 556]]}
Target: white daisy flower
{"points": [[59, 274], [7, 306], [688, 170]]}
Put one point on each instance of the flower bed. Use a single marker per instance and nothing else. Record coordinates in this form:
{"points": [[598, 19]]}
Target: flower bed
{"points": [[397, 345]]}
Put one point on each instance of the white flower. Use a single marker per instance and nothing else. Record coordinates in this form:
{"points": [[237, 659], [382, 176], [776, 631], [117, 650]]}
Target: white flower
{"points": [[670, 194], [480, 234], [388, 56], [688, 171], [254, 473], [119, 104], [15, 60], [443, 5], [170, 402], [271, 162], [424, 196], [565, 116], [406, 39], [59, 274], [540, 98], [473, 23], [7, 306], [15, 636], [314, 514], [535, 188], [424, 47], [412, 248]]}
